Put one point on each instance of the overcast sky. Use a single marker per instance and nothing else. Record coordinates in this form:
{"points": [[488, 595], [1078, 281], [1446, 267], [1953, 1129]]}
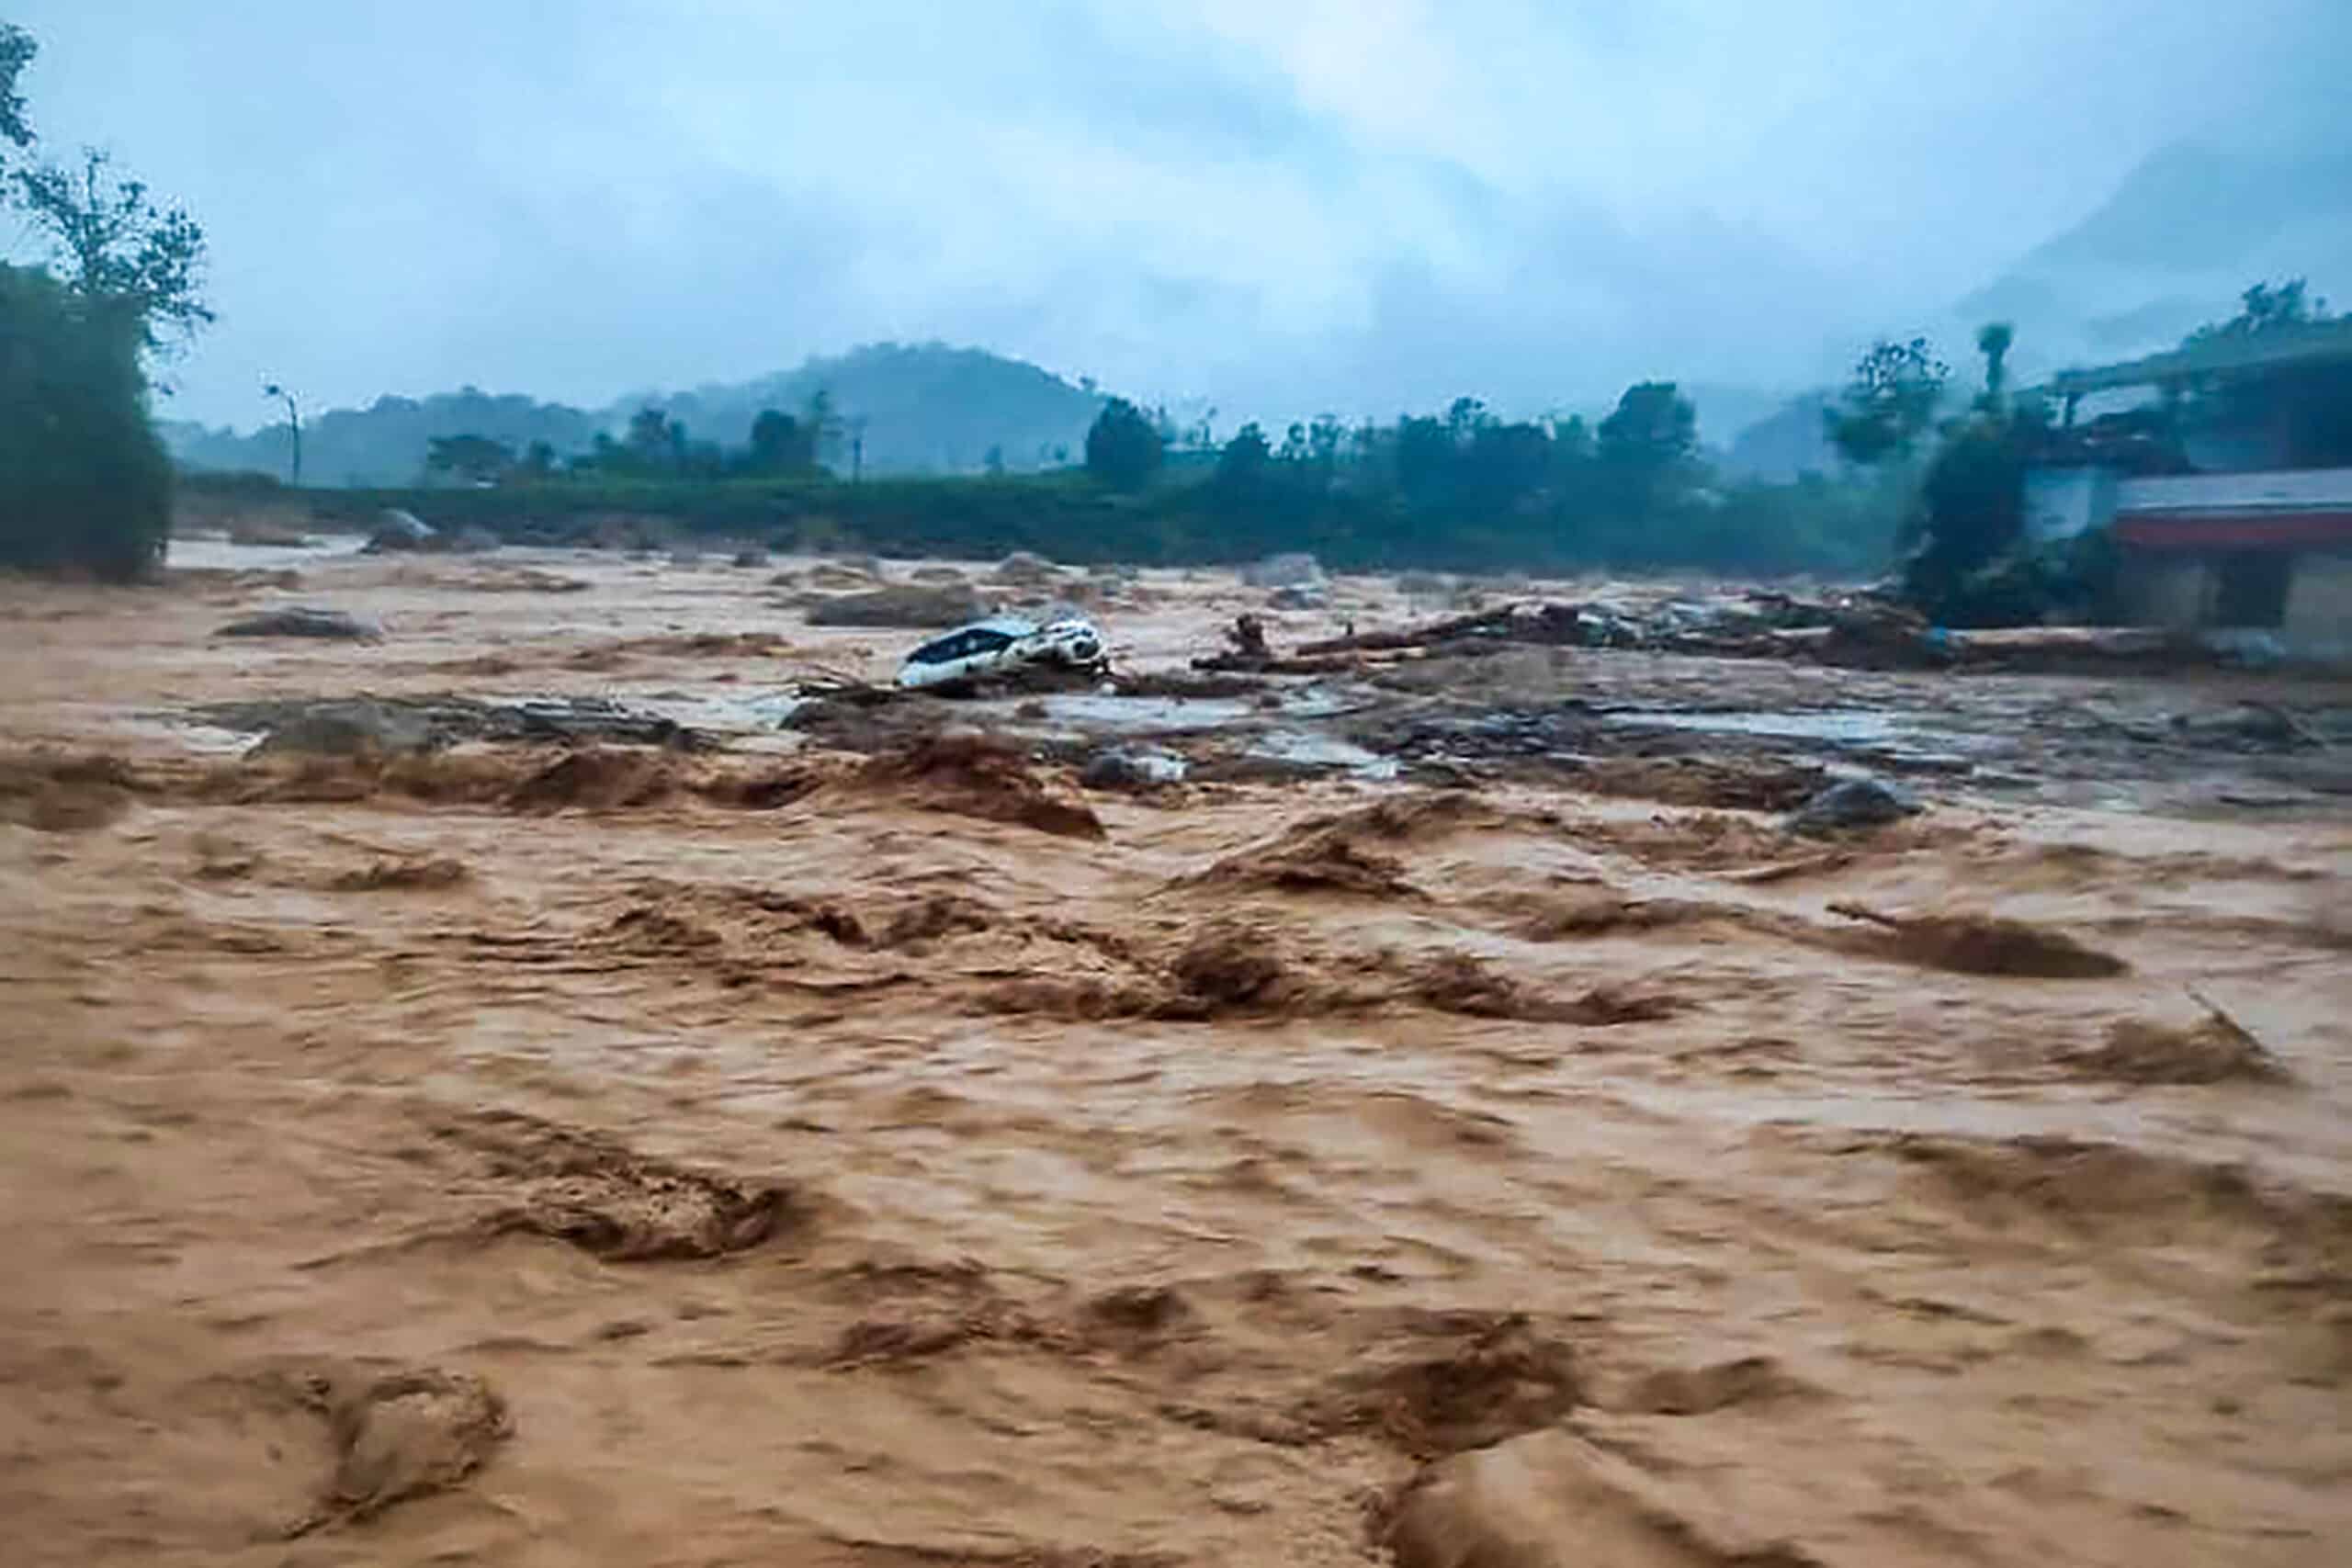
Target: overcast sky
{"points": [[1280, 205]]}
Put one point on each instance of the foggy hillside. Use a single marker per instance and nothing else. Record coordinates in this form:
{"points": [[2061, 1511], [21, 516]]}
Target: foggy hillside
{"points": [[2170, 248], [926, 407], [2189, 230], [384, 443]]}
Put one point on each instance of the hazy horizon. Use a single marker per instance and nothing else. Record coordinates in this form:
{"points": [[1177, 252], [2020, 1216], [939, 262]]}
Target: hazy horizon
{"points": [[1272, 208]]}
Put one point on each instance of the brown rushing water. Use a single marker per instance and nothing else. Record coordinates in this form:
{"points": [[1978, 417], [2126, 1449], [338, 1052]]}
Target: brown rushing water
{"points": [[675, 1161]]}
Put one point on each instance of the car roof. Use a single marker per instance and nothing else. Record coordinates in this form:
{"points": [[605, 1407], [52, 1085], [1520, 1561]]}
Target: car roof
{"points": [[1011, 626]]}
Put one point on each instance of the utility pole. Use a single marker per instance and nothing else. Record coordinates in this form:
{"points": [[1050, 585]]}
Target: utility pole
{"points": [[857, 449], [294, 421]]}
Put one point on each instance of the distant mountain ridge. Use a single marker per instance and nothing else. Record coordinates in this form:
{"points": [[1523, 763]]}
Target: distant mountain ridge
{"points": [[916, 408], [2172, 249]]}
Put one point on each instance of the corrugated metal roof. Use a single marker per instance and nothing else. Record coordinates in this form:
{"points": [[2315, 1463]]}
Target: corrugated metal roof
{"points": [[2276, 491]]}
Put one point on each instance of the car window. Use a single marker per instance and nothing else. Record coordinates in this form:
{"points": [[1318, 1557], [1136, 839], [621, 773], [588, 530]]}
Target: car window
{"points": [[986, 642], [943, 651]]}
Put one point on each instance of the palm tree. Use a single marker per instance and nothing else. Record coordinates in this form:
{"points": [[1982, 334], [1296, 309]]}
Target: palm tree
{"points": [[1993, 342]]}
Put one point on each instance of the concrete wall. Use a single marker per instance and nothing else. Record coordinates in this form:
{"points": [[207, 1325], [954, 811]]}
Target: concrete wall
{"points": [[2165, 589], [2285, 490], [2319, 606], [2063, 503]]}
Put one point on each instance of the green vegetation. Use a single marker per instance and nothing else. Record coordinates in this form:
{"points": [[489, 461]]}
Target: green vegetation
{"points": [[1890, 403], [1463, 491], [2306, 409], [84, 483], [887, 408], [1124, 449], [1968, 562], [110, 241], [16, 51]]}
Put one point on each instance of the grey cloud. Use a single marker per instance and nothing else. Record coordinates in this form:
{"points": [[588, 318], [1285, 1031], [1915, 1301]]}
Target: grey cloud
{"points": [[1278, 209]]}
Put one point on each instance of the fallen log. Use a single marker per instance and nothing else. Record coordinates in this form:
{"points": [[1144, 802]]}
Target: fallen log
{"points": [[1472, 624], [1268, 664]]}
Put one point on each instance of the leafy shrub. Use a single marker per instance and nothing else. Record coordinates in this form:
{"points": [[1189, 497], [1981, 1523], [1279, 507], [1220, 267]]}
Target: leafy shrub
{"points": [[85, 484]]}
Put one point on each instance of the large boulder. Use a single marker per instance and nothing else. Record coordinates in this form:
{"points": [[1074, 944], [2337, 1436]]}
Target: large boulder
{"points": [[399, 530], [1022, 569], [355, 727], [1133, 769], [1850, 804], [832, 575], [268, 530], [915, 606], [1293, 569], [1551, 1499]]}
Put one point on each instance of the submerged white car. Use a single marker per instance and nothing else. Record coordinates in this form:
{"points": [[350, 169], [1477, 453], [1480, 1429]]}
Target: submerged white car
{"points": [[999, 646]]}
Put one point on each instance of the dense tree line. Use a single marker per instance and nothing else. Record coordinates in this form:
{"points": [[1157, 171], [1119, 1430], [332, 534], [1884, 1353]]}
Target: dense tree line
{"points": [[1466, 487], [655, 447]]}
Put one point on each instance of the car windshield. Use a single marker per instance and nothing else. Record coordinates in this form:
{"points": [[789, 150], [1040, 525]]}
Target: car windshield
{"points": [[960, 645]]}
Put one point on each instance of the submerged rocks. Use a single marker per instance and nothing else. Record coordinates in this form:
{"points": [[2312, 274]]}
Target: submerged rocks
{"points": [[1022, 569], [402, 1435], [351, 728], [398, 530], [1292, 569], [305, 621], [1853, 804], [914, 606], [1134, 768]]}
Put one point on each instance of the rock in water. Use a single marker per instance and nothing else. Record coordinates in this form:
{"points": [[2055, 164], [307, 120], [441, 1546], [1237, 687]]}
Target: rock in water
{"points": [[901, 604], [1132, 769], [301, 620], [1022, 569], [1852, 803], [358, 727], [1293, 569], [399, 530]]}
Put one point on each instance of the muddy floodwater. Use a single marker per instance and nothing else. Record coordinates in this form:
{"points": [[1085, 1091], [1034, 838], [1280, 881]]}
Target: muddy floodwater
{"points": [[675, 1108]]}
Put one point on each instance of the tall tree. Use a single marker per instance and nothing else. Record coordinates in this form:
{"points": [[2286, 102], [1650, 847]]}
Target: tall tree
{"points": [[1241, 464], [1889, 402], [1653, 432], [1123, 448], [16, 51], [474, 460], [825, 426], [1992, 341], [781, 443], [652, 439], [111, 242], [2300, 412], [84, 482], [2263, 307]]}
